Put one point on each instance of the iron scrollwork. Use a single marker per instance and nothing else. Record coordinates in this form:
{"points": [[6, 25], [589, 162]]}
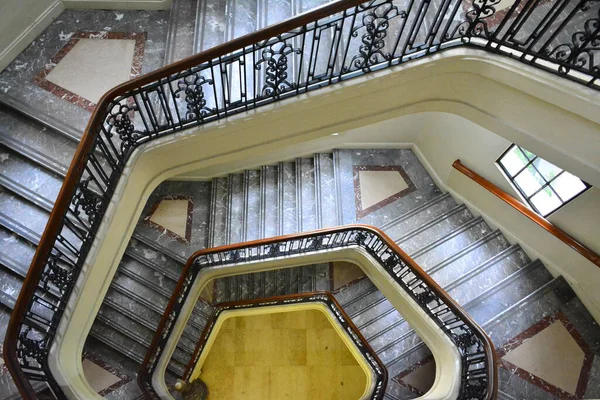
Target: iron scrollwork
{"points": [[475, 23], [120, 122], [375, 23], [275, 59], [191, 89], [584, 46]]}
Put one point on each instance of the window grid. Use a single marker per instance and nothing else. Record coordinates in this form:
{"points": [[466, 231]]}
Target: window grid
{"points": [[544, 185]]}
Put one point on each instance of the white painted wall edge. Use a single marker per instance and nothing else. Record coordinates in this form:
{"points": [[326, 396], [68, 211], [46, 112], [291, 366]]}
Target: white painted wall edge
{"points": [[30, 33], [118, 4]]}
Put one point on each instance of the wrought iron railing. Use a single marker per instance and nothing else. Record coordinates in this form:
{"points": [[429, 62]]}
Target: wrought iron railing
{"points": [[369, 356], [478, 364], [336, 42]]}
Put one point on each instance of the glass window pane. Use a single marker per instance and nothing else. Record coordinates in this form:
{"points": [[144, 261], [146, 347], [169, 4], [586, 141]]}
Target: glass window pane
{"points": [[548, 170], [546, 201], [529, 181], [568, 186], [514, 161], [528, 154]]}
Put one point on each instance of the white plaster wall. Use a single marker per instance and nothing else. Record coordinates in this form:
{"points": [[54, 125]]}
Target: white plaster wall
{"points": [[21, 21]]}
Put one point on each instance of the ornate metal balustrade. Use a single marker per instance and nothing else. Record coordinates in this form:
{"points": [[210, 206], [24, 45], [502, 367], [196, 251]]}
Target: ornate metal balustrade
{"points": [[368, 354], [339, 41], [478, 364]]}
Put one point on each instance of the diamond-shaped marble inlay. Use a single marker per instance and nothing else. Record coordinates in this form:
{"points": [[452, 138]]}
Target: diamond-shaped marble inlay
{"points": [[90, 64], [173, 215], [98, 378], [421, 378], [376, 186], [552, 355], [94, 66]]}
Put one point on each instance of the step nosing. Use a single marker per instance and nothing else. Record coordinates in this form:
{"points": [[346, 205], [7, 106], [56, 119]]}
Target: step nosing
{"points": [[465, 251], [420, 229], [415, 211], [454, 233]]}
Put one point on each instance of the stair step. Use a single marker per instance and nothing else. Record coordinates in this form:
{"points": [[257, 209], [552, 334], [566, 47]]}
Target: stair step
{"points": [[305, 181], [236, 210], [36, 142], [20, 173], [182, 33], [435, 229], [269, 226], [325, 191], [288, 212], [506, 294], [443, 248], [16, 106], [463, 291], [21, 252], [253, 204], [418, 216]]}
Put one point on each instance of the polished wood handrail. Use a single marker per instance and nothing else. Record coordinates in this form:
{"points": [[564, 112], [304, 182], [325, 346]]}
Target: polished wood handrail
{"points": [[206, 331], [529, 213], [417, 270], [78, 163]]}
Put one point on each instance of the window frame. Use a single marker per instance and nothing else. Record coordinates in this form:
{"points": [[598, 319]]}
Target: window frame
{"points": [[547, 183]]}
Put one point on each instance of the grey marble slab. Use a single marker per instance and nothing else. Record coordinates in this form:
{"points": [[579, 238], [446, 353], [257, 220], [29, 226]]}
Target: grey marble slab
{"points": [[156, 277], [182, 32], [477, 254], [434, 230], [305, 179], [500, 301], [326, 190], [16, 79], [451, 245], [270, 210], [288, 213], [19, 170], [170, 266], [219, 212], [17, 249], [236, 208], [253, 204], [29, 133]]}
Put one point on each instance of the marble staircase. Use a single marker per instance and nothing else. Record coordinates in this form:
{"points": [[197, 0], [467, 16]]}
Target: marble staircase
{"points": [[492, 278]]}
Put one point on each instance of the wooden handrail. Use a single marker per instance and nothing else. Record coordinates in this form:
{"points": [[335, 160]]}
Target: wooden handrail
{"points": [[78, 163], [206, 331], [529, 213], [417, 270]]}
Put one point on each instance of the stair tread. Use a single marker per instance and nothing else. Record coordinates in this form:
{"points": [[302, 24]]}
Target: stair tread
{"points": [[28, 175], [24, 134]]}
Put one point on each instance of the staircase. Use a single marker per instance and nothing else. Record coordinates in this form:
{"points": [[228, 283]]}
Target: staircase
{"points": [[493, 279]]}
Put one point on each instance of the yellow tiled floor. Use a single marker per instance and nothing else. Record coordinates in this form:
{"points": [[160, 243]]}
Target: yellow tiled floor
{"points": [[292, 355]]}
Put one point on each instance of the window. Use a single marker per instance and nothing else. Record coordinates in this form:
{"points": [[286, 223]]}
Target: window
{"points": [[542, 184]]}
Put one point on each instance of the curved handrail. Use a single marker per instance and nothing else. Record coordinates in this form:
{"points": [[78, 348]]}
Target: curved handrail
{"points": [[475, 346], [529, 213], [335, 42], [323, 297]]}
